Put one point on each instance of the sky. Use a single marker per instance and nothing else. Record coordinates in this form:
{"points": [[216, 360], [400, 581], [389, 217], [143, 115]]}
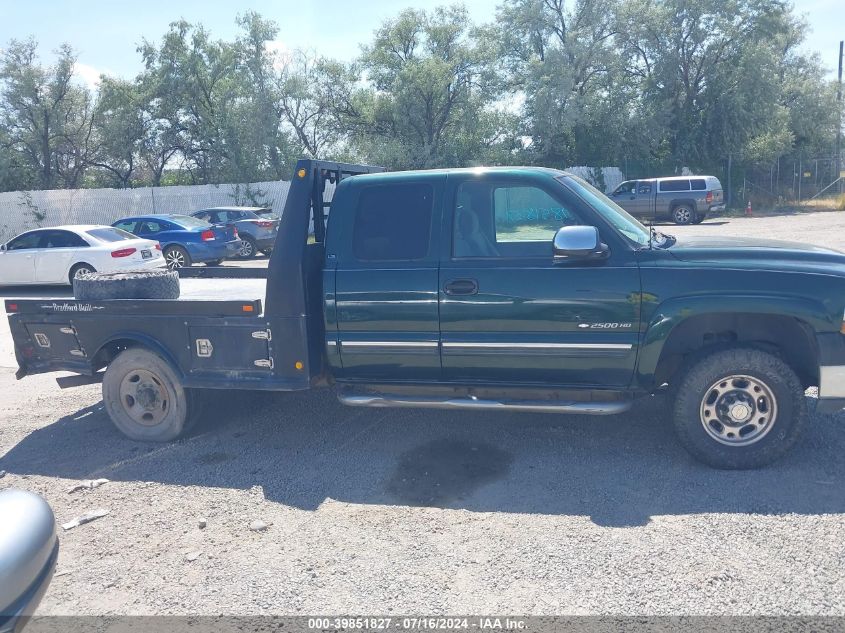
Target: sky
{"points": [[106, 33]]}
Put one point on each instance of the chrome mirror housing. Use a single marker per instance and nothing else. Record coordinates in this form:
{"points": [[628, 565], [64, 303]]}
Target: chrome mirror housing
{"points": [[578, 242]]}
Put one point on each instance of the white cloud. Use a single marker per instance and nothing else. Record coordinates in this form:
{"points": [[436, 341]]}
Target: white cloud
{"points": [[89, 75]]}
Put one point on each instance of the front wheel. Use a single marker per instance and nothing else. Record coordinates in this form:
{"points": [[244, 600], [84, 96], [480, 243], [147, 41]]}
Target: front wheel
{"points": [[682, 215], [739, 408], [144, 397]]}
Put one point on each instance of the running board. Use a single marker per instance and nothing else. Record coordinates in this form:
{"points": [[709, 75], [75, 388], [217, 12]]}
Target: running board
{"points": [[538, 406]]}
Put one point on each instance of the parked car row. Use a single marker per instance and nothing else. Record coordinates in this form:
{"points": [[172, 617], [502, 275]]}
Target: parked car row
{"points": [[59, 254]]}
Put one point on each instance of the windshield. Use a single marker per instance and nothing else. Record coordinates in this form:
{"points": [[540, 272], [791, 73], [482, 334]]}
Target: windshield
{"points": [[609, 210]]}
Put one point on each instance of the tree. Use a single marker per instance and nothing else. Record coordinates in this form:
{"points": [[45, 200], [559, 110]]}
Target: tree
{"points": [[120, 130], [262, 108], [432, 91], [312, 93], [560, 59], [46, 117], [708, 72]]}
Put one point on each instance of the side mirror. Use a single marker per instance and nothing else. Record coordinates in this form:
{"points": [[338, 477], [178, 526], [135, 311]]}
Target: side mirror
{"points": [[2, 248], [29, 549], [578, 243]]}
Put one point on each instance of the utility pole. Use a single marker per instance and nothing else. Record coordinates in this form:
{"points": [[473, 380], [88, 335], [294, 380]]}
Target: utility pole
{"points": [[839, 126]]}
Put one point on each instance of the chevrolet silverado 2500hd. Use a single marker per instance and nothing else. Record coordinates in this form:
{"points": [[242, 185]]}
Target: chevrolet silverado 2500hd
{"points": [[504, 288]]}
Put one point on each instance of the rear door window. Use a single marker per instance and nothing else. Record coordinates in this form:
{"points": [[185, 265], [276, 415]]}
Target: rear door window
{"points": [[674, 185], [150, 226], [393, 222], [63, 239]]}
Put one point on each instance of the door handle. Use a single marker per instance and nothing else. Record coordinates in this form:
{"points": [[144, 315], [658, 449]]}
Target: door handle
{"points": [[461, 287]]}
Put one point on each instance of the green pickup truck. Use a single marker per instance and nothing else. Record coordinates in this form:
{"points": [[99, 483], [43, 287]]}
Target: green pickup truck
{"points": [[495, 289]]}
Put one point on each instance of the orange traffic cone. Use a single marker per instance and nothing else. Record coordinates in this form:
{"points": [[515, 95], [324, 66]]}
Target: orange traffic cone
{"points": [[748, 213]]}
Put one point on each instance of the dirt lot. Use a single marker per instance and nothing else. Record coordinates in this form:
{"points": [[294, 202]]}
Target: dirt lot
{"points": [[404, 511]]}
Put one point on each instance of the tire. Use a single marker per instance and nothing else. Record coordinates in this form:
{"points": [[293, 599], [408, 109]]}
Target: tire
{"points": [[176, 257], [149, 284], [216, 262], [144, 397], [248, 247], [80, 269], [266, 251], [682, 214], [751, 383]]}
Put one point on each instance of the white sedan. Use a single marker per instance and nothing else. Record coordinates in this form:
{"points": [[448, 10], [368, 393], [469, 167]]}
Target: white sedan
{"points": [[56, 255]]}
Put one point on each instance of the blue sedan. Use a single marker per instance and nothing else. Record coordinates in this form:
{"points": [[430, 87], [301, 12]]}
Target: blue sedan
{"points": [[185, 240]]}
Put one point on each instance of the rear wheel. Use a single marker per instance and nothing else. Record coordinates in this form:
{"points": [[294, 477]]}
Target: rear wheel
{"points": [[79, 270], [682, 214], [739, 408], [248, 247], [176, 257], [145, 398]]}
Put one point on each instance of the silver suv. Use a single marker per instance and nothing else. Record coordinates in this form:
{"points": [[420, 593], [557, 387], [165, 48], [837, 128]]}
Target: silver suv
{"points": [[682, 199]]}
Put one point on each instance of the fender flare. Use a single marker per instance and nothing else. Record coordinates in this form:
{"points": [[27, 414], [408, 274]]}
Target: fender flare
{"points": [[143, 340], [672, 312], [676, 202]]}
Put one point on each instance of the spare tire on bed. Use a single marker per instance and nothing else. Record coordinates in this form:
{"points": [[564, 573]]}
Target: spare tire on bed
{"points": [[145, 284]]}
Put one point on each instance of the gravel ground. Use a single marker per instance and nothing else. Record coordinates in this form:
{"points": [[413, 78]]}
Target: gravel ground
{"points": [[413, 511]]}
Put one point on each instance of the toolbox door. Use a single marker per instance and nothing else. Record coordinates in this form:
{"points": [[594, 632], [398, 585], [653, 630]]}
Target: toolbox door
{"points": [[55, 340], [226, 348]]}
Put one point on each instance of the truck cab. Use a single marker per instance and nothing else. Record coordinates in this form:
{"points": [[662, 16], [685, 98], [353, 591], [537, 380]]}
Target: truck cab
{"points": [[450, 277]]}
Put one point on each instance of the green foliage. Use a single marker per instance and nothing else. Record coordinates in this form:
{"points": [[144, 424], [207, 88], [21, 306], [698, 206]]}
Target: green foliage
{"points": [[45, 118], [651, 86], [430, 103]]}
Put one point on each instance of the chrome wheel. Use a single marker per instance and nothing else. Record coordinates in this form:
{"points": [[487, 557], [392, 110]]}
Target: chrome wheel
{"points": [[247, 249], [82, 270], [144, 397], [174, 258], [682, 215], [738, 410]]}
